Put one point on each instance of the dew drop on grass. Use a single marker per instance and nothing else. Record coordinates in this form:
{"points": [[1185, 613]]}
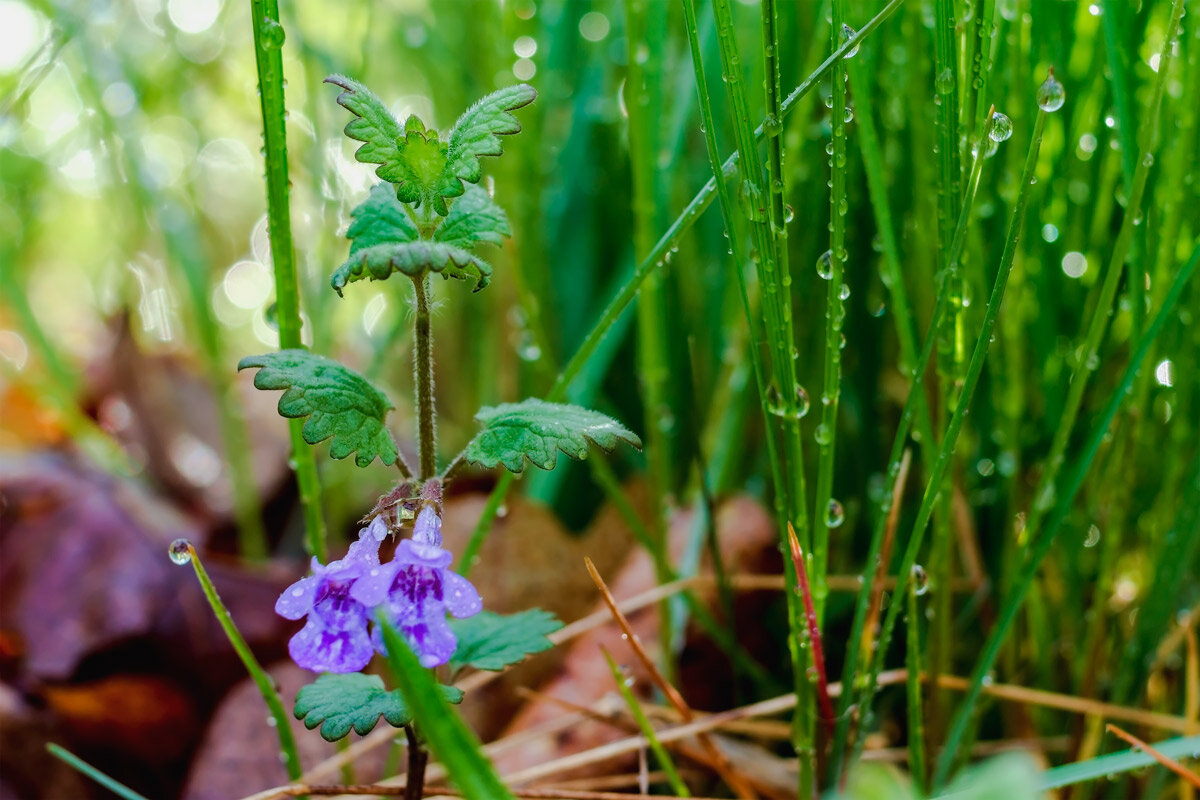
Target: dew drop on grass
{"points": [[945, 81], [272, 34], [772, 126], [180, 551], [845, 292], [802, 402], [848, 34], [822, 435], [1093, 536], [1051, 95], [825, 265], [835, 515], [849, 114], [789, 213], [920, 579], [1001, 127]]}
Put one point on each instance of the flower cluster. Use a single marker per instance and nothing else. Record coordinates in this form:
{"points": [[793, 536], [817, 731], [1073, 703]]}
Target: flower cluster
{"points": [[415, 589]]}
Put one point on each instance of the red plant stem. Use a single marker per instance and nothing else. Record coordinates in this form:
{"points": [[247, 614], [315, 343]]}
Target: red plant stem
{"points": [[814, 633]]}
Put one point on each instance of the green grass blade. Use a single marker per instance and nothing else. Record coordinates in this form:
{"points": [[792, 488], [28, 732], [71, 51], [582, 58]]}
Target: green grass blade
{"points": [[182, 552], [78, 764], [643, 723], [1113, 764], [447, 735], [1045, 538]]}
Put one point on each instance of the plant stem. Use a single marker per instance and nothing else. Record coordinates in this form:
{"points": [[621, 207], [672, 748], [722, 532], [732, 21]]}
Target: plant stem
{"points": [[414, 780], [268, 58], [423, 369]]}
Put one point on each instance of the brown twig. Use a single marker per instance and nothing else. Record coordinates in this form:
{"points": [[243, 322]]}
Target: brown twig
{"points": [[1168, 762], [814, 633], [719, 762]]}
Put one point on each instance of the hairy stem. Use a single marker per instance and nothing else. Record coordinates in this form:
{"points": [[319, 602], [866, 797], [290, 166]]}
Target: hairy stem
{"points": [[423, 367]]}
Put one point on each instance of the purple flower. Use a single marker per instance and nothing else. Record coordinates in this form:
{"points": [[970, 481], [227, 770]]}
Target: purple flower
{"points": [[335, 638], [418, 591]]}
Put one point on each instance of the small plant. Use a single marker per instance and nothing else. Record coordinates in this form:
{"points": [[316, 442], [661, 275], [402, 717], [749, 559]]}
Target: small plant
{"points": [[426, 218]]}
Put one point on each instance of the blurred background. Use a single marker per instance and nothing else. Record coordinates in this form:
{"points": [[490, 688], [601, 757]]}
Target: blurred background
{"points": [[135, 271]]}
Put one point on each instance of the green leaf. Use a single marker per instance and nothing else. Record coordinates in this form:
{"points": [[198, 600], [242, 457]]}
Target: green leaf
{"points": [[380, 219], [379, 261], [340, 703], [478, 131], [337, 401], [536, 430], [1008, 776], [493, 641], [447, 735], [473, 218], [422, 172], [373, 125]]}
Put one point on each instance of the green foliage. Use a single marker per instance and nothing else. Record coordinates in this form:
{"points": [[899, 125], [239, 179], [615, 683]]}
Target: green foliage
{"points": [[536, 430], [338, 402], [413, 259], [478, 130], [473, 218], [424, 168], [380, 219], [446, 734], [341, 703], [493, 641], [1010, 776]]}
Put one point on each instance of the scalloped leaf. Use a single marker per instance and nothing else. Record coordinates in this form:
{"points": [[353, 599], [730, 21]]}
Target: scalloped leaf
{"points": [[338, 402], [493, 641], [473, 218], [373, 125], [478, 131], [380, 219], [535, 430], [354, 701], [413, 259]]}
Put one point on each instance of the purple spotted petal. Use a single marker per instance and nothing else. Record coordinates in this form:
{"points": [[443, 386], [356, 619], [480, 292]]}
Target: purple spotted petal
{"points": [[323, 649], [371, 588], [462, 600], [427, 555], [297, 599]]}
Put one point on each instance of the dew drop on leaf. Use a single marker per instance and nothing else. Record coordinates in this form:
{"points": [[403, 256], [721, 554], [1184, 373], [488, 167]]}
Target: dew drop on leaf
{"points": [[848, 34], [920, 579], [272, 34]]}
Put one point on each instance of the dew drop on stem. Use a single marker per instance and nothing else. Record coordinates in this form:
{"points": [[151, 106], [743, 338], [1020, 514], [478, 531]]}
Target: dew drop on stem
{"points": [[835, 515], [825, 265], [848, 33], [1001, 127], [920, 579]]}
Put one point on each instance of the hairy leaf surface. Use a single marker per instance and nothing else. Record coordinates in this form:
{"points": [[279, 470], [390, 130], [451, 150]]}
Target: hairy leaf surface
{"points": [[338, 402], [380, 219], [536, 430], [478, 131], [473, 218], [493, 641], [377, 262], [354, 701], [373, 125]]}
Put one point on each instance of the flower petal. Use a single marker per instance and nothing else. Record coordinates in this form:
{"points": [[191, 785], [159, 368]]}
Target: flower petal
{"points": [[462, 599], [322, 649], [373, 584], [297, 599]]}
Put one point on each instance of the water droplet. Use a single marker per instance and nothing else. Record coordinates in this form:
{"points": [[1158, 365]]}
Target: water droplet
{"points": [[180, 551], [772, 126], [920, 579], [272, 34], [945, 82], [849, 114], [789, 213], [848, 34], [1051, 95], [835, 515], [822, 434], [845, 292], [774, 398], [825, 265], [1001, 128], [1093, 536], [802, 402]]}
